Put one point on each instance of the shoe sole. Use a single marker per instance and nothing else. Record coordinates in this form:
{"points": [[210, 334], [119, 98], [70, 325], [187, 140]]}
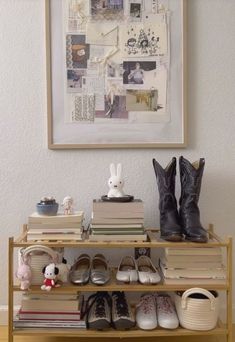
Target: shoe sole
{"points": [[101, 324], [172, 238], [123, 324], [79, 283], [196, 239]]}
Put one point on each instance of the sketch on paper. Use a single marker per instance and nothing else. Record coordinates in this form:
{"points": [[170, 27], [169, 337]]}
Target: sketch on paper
{"points": [[144, 39]]}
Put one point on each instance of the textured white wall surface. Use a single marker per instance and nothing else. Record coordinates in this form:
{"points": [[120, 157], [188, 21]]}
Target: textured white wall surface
{"points": [[29, 170]]}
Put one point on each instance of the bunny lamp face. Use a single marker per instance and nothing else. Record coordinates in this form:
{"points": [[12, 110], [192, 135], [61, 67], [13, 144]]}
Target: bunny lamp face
{"points": [[116, 181]]}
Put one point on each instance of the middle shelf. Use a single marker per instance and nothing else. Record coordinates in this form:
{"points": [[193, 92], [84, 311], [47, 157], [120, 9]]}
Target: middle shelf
{"points": [[114, 285]]}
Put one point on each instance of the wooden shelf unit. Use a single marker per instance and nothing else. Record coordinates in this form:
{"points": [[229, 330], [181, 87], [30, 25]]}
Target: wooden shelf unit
{"points": [[153, 242], [119, 334]]}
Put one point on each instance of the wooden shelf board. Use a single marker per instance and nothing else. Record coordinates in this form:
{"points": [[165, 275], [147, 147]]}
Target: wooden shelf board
{"points": [[154, 241], [115, 286], [121, 244], [114, 333]]}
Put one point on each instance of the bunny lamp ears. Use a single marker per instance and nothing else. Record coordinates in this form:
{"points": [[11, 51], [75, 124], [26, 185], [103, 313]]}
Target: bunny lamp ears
{"points": [[113, 170]]}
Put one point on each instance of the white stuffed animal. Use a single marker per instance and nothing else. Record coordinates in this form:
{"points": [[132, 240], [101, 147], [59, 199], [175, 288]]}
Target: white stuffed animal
{"points": [[63, 268], [50, 275], [116, 182]]}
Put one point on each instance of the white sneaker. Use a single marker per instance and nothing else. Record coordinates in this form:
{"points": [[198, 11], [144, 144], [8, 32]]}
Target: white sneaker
{"points": [[146, 313], [147, 272], [167, 317], [127, 270]]}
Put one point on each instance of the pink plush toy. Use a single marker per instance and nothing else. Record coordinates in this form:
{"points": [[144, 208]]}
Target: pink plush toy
{"points": [[24, 274]]}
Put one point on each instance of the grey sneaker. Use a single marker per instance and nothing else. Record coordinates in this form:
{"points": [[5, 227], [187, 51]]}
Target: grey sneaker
{"points": [[98, 311], [122, 315]]}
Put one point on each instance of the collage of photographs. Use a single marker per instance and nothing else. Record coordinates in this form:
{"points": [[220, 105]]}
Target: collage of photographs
{"points": [[117, 60]]}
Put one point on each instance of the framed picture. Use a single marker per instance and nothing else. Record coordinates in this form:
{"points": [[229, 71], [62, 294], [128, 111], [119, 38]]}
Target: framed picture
{"points": [[116, 73]]}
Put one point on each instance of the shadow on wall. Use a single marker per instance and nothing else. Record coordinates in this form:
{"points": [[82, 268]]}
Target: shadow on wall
{"points": [[217, 201]]}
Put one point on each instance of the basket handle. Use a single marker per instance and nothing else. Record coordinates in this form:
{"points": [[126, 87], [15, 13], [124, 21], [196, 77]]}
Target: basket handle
{"points": [[197, 290], [35, 248]]}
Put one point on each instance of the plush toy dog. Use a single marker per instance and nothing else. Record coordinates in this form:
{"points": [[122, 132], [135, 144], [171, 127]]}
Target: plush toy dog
{"points": [[50, 273]]}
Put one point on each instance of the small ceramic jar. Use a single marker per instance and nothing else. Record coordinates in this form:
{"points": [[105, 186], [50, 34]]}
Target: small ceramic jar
{"points": [[47, 206]]}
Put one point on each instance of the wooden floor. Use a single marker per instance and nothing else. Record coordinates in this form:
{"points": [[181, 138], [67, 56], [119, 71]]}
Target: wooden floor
{"points": [[3, 338]]}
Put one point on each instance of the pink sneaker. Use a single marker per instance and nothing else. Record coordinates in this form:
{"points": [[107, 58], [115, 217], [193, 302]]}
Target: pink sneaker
{"points": [[167, 317], [146, 314]]}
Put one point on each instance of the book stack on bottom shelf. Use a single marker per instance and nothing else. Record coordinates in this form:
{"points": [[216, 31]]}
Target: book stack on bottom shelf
{"points": [[202, 265], [54, 311], [116, 221], [57, 227]]}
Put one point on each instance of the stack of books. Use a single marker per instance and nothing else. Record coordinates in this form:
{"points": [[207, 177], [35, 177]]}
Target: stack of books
{"points": [[59, 227], [54, 311], [116, 221], [202, 265]]}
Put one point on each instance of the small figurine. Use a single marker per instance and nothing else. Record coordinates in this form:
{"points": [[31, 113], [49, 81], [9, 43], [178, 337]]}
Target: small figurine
{"points": [[116, 182], [24, 274], [50, 273], [68, 205]]}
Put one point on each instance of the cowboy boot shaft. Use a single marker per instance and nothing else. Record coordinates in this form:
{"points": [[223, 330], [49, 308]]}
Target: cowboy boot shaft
{"points": [[166, 185], [169, 220], [191, 179]]}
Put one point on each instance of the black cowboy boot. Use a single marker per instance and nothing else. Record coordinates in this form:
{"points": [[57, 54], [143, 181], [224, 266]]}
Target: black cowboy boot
{"points": [[169, 218], [191, 178]]}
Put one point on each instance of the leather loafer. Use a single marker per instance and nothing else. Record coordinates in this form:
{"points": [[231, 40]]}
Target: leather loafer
{"points": [[147, 272], [80, 272], [100, 273], [127, 270]]}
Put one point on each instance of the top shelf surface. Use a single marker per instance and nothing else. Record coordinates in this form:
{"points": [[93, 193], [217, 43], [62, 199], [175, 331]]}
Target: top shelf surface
{"points": [[153, 241]]}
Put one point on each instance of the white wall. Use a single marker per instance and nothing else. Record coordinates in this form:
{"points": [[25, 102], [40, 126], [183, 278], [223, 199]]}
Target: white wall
{"points": [[29, 170]]}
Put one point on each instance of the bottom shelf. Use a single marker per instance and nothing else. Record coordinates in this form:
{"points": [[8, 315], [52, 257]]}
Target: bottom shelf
{"points": [[220, 330]]}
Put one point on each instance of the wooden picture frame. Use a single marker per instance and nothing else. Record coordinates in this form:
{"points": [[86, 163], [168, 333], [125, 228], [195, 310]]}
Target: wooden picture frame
{"points": [[173, 134]]}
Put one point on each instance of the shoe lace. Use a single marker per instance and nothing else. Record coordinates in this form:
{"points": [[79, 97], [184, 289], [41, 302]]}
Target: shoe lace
{"points": [[97, 299], [147, 303], [99, 307], [164, 304], [121, 304]]}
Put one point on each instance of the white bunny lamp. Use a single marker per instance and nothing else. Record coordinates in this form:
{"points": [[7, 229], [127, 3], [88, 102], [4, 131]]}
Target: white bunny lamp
{"points": [[116, 182]]}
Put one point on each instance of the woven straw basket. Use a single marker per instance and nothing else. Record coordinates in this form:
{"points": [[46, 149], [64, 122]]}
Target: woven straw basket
{"points": [[197, 312], [37, 257]]}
